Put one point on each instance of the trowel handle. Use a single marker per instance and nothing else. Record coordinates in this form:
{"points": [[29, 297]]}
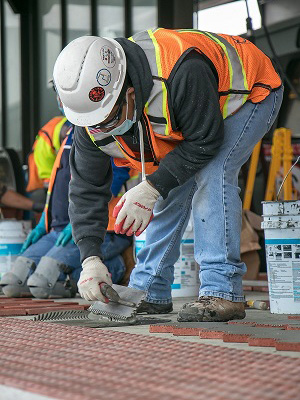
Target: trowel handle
{"points": [[113, 296], [109, 292]]}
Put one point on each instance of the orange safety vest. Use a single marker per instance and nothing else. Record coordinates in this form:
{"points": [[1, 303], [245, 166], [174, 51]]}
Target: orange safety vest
{"points": [[244, 72], [46, 134], [133, 180]]}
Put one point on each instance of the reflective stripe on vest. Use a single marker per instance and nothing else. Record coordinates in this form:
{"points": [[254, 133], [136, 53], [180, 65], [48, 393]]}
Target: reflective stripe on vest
{"points": [[238, 81], [106, 143], [157, 105]]}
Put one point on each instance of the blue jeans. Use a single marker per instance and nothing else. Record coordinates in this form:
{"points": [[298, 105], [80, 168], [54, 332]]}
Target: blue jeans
{"points": [[213, 196], [111, 248]]}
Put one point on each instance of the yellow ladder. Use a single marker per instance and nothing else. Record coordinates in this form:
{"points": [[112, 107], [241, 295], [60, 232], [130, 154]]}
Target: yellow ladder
{"points": [[281, 153]]}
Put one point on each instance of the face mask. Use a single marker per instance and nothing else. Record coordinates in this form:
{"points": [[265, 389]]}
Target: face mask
{"points": [[124, 127], [118, 130]]}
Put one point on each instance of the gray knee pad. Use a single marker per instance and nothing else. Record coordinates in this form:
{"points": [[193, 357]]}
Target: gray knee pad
{"points": [[43, 282], [60, 289], [14, 282]]}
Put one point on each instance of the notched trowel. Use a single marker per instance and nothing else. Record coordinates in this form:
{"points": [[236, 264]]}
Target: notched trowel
{"points": [[122, 306]]}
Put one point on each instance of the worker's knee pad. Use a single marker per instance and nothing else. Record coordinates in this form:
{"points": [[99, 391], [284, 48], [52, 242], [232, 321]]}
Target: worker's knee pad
{"points": [[14, 282], [60, 289], [43, 282]]}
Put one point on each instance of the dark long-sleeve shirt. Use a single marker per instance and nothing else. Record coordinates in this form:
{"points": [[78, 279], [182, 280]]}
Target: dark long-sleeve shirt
{"points": [[195, 101]]}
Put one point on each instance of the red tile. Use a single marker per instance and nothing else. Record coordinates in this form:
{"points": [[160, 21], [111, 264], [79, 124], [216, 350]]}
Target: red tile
{"points": [[161, 328], [286, 346], [41, 310], [51, 360], [247, 288], [262, 342], [206, 334], [177, 331], [235, 338], [12, 313]]}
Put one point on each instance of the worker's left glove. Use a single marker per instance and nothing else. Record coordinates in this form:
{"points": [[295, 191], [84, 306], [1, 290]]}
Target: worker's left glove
{"points": [[65, 236], [93, 273], [135, 209], [35, 234]]}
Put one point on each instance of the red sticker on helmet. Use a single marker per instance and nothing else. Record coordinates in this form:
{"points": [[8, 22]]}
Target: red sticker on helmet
{"points": [[96, 94]]}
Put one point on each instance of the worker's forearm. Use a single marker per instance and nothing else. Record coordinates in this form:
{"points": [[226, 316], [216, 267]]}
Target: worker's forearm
{"points": [[89, 194], [15, 200]]}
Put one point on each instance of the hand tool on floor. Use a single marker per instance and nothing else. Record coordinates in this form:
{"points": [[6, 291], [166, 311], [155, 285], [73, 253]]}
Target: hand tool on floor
{"points": [[257, 304], [123, 303], [90, 320]]}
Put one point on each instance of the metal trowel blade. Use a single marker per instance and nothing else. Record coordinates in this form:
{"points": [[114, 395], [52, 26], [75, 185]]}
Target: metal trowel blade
{"points": [[118, 311]]}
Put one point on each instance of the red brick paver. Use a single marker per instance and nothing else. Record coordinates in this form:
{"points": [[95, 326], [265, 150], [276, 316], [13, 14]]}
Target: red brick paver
{"points": [[255, 334], [11, 307], [74, 363]]}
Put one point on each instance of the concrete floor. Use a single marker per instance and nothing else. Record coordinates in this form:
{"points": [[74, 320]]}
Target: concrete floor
{"points": [[256, 315]]}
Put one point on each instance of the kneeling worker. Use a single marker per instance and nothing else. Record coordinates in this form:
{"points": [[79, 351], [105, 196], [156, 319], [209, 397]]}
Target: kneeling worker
{"points": [[50, 262], [189, 106]]}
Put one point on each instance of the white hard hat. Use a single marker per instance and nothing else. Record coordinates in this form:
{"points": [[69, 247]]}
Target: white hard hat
{"points": [[89, 74]]}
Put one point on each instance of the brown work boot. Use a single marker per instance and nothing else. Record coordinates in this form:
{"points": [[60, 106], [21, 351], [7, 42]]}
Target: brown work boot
{"points": [[211, 309]]}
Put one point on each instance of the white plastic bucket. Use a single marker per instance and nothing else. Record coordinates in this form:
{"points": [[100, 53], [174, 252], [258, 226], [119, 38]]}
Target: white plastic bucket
{"points": [[12, 236], [186, 270], [282, 239]]}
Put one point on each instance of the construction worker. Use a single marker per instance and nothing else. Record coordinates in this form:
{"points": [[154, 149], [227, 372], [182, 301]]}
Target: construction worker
{"points": [[44, 150], [188, 107], [49, 264]]}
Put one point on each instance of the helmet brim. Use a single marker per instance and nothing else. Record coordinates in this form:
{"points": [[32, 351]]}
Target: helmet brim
{"points": [[84, 119]]}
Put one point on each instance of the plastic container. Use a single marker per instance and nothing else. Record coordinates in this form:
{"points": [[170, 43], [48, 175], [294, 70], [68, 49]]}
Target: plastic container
{"points": [[186, 270], [281, 224], [12, 236]]}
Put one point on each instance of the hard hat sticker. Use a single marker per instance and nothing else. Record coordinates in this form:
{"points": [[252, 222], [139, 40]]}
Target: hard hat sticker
{"points": [[108, 56], [103, 77], [96, 94]]}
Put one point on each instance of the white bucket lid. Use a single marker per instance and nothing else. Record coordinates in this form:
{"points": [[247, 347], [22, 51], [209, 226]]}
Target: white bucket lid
{"points": [[281, 208], [11, 228]]}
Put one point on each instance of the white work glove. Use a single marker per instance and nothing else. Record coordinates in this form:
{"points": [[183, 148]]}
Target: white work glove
{"points": [[135, 209], [93, 273]]}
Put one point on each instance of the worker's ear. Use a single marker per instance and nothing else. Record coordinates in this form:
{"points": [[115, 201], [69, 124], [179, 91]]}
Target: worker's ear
{"points": [[131, 93]]}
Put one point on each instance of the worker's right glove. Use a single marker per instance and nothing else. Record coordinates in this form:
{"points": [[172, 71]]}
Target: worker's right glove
{"points": [[35, 234], [134, 211], [93, 273]]}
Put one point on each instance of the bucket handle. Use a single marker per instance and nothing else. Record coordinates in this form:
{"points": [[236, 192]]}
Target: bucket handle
{"points": [[281, 186]]}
